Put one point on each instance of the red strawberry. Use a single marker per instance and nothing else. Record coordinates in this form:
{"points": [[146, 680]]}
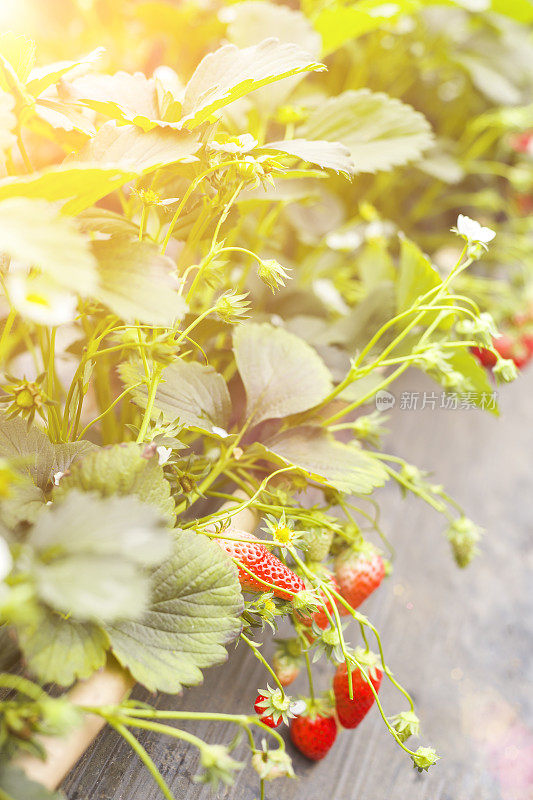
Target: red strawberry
{"points": [[522, 142], [351, 712], [266, 566], [485, 357], [259, 710], [527, 341], [515, 349], [273, 707], [358, 572], [314, 731]]}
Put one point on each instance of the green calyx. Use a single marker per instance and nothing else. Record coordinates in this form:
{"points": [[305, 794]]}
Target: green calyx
{"points": [[464, 535], [370, 661], [275, 704], [406, 724], [424, 758]]}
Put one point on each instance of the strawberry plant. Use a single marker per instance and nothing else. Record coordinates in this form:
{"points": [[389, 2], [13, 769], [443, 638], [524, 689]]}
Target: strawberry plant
{"points": [[213, 266]]}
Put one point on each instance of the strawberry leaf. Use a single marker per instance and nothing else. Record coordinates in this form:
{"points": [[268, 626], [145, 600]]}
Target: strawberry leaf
{"points": [[137, 283], [192, 393], [15, 785], [130, 148], [196, 601], [347, 468], [59, 650], [230, 73], [328, 155], [281, 373], [55, 246], [76, 187], [41, 78], [339, 24], [379, 131], [123, 469], [116, 538]]}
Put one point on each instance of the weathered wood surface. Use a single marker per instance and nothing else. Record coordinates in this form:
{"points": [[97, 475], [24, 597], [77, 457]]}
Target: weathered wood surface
{"points": [[459, 640]]}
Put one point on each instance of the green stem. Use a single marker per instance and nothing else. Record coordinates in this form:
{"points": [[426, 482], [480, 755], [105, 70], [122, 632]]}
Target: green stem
{"points": [[309, 676], [5, 333], [113, 404], [154, 383], [144, 756], [255, 650]]}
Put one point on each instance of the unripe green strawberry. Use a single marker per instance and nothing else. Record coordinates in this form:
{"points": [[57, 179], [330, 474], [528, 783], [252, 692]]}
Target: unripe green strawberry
{"points": [[359, 571], [287, 661], [318, 541], [350, 712], [314, 731], [262, 563]]}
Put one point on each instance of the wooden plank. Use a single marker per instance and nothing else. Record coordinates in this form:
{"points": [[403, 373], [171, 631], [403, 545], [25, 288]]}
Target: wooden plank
{"points": [[459, 640]]}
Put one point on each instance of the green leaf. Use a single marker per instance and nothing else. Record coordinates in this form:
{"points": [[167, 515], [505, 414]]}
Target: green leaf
{"points": [[123, 469], [55, 246], [59, 650], [281, 373], [30, 451], [192, 393], [379, 131], [416, 275], [17, 786], [462, 360], [195, 611], [328, 155], [19, 52], [76, 187], [137, 282], [520, 10], [375, 264], [130, 148], [321, 458], [230, 73], [339, 24], [23, 504], [90, 555], [41, 78], [65, 453], [489, 80], [356, 329], [252, 21], [124, 97]]}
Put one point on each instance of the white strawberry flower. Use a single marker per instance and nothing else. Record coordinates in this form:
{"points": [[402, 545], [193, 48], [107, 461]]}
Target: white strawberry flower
{"points": [[38, 300], [472, 231], [163, 454]]}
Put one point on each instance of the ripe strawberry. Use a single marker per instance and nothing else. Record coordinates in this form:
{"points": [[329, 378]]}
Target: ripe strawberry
{"points": [[320, 616], [522, 142], [351, 712], [287, 660], [359, 571], [259, 710], [264, 564], [485, 357], [515, 349], [314, 731], [273, 707], [527, 341]]}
